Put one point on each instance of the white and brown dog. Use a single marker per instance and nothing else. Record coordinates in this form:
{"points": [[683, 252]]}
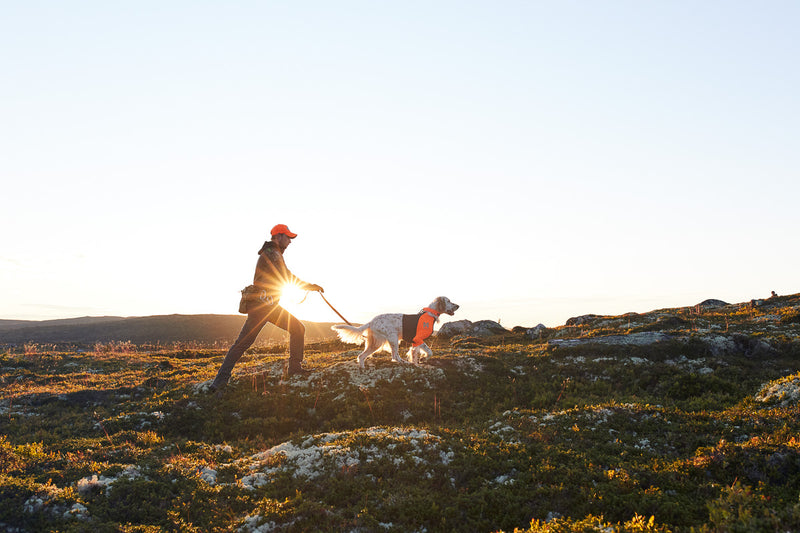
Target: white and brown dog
{"points": [[384, 332]]}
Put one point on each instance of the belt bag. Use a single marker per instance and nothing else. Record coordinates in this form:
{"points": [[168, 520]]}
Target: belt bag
{"points": [[253, 296]]}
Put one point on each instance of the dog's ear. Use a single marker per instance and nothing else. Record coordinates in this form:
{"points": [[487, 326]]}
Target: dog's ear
{"points": [[439, 304]]}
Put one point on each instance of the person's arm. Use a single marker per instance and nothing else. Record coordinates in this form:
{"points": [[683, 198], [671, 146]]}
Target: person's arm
{"points": [[278, 265]]}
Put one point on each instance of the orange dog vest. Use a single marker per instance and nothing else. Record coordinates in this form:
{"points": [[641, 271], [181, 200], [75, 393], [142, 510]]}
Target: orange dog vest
{"points": [[417, 328]]}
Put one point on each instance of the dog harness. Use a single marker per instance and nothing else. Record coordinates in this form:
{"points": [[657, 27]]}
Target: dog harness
{"points": [[417, 328]]}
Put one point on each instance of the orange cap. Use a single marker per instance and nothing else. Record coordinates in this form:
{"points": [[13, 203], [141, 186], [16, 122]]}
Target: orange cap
{"points": [[283, 228]]}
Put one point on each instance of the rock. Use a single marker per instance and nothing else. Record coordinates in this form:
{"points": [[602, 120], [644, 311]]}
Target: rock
{"points": [[738, 344], [633, 339], [711, 303], [752, 346], [536, 332], [784, 392], [451, 329], [481, 328], [487, 328], [581, 320], [719, 344]]}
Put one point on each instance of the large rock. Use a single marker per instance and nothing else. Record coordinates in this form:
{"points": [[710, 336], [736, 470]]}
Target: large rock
{"points": [[784, 392], [634, 339], [487, 328], [581, 320], [536, 332], [711, 304], [451, 329], [481, 328], [738, 344]]}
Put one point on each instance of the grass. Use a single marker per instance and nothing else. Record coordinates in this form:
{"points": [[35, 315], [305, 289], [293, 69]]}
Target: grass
{"points": [[499, 434]]}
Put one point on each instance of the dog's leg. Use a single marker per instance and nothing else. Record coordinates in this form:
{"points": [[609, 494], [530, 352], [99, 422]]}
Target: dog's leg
{"points": [[370, 347], [395, 344], [425, 348], [413, 355]]}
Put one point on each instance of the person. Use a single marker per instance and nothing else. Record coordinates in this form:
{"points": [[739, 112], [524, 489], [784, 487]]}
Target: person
{"points": [[269, 279]]}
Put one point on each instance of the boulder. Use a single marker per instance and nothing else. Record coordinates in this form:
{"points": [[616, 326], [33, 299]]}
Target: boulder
{"points": [[481, 328], [632, 339], [487, 328], [738, 344], [784, 392], [536, 332], [711, 304], [451, 329], [719, 344], [581, 320]]}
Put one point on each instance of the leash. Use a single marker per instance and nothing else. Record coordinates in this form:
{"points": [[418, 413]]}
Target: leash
{"points": [[329, 305], [334, 309]]}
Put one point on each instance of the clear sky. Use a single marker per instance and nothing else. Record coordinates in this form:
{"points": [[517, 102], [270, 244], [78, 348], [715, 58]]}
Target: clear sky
{"points": [[532, 160]]}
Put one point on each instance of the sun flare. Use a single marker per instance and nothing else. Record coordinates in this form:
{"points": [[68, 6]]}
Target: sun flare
{"points": [[305, 305], [292, 294]]}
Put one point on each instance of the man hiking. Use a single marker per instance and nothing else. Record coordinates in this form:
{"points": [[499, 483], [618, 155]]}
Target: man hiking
{"points": [[260, 301]]}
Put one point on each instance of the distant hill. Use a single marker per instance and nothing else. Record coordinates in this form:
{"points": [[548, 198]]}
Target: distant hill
{"points": [[205, 329]]}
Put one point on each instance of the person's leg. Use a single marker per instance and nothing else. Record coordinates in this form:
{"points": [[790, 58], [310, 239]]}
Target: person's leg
{"points": [[286, 321], [250, 330]]}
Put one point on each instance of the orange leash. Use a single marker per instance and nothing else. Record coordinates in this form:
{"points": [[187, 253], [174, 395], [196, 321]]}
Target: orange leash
{"points": [[334, 309]]}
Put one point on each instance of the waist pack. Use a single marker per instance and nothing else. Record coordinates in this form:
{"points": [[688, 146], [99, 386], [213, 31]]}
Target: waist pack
{"points": [[253, 296]]}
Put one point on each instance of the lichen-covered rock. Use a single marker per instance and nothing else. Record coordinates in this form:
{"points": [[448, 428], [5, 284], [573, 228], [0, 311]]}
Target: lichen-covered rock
{"points": [[451, 329], [481, 328], [633, 339], [487, 328], [784, 392], [581, 320], [536, 332]]}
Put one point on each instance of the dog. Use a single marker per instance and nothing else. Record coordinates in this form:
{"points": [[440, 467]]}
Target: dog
{"points": [[385, 331]]}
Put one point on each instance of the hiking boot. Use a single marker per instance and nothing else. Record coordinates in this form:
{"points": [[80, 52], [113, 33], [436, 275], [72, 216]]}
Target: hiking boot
{"points": [[217, 390], [298, 371]]}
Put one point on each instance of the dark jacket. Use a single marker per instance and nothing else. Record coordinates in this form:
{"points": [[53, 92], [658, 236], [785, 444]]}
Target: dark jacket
{"points": [[272, 273]]}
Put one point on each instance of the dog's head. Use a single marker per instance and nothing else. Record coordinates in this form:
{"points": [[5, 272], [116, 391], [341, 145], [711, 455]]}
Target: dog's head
{"points": [[443, 304]]}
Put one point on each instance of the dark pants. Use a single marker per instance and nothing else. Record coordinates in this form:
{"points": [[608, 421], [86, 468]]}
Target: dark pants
{"points": [[256, 320]]}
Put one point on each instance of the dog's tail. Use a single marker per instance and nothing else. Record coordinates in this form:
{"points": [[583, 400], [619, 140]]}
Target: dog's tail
{"points": [[351, 334]]}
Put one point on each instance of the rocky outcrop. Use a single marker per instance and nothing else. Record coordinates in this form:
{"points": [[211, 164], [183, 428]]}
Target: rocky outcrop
{"points": [[738, 344], [481, 328], [633, 339], [536, 332], [784, 392], [711, 303], [581, 320], [487, 328], [451, 329], [718, 345]]}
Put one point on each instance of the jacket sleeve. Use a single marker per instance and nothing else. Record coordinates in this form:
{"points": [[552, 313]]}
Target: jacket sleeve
{"points": [[272, 273]]}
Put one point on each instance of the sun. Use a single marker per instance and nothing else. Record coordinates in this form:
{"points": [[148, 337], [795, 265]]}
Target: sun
{"points": [[304, 305], [292, 294]]}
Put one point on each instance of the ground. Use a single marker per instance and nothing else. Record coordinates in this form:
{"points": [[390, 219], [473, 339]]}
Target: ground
{"points": [[697, 429]]}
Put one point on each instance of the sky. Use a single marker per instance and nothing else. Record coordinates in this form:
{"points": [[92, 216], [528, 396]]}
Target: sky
{"points": [[531, 160]]}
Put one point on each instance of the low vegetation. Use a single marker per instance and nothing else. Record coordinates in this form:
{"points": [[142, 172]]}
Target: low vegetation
{"points": [[696, 432]]}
